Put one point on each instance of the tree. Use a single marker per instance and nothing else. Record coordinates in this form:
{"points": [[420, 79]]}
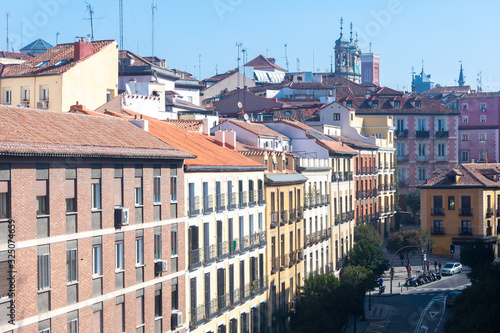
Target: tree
{"points": [[357, 280], [476, 308], [368, 233], [321, 306], [418, 239], [367, 255], [479, 257], [412, 201]]}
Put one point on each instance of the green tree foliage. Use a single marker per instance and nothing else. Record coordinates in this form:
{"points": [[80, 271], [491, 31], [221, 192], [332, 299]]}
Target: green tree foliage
{"points": [[477, 307], [321, 307], [357, 280], [412, 201], [369, 256], [368, 233], [417, 238]]}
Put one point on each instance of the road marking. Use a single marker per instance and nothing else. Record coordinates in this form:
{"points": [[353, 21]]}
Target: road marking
{"points": [[424, 328], [433, 313], [437, 298]]}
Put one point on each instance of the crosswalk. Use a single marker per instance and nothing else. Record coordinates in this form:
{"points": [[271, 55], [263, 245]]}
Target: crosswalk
{"points": [[419, 290], [377, 326]]}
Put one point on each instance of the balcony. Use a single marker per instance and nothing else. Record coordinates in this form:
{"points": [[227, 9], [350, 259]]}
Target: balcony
{"points": [[489, 212], [465, 212], [300, 213], [231, 201], [262, 238], [197, 316], [442, 158], [437, 231], [402, 158], [251, 198], [489, 231], [274, 219], [222, 250], [347, 176], [306, 202], [293, 215], [284, 217], [465, 231], [422, 158], [403, 183], [209, 254], [336, 176], [401, 133], [195, 258], [442, 134], [220, 201], [422, 134], [260, 197], [242, 195], [208, 204], [193, 206], [437, 211]]}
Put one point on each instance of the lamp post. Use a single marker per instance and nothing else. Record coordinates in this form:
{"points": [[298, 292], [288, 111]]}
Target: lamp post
{"points": [[392, 257]]}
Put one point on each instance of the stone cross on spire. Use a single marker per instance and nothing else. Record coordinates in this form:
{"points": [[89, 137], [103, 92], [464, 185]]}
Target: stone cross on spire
{"points": [[351, 34], [341, 24]]}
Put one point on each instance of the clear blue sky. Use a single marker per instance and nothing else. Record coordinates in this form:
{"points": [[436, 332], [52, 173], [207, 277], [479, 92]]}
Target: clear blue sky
{"points": [[403, 31]]}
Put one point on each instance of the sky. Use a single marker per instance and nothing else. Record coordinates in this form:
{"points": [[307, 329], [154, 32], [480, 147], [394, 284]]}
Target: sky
{"points": [[201, 36]]}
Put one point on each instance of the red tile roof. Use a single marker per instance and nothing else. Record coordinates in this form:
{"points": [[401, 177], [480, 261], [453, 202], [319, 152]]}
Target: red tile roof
{"points": [[25, 131], [470, 175], [450, 89], [255, 128], [59, 59], [15, 55], [427, 105], [262, 62], [194, 126], [354, 88], [388, 92]]}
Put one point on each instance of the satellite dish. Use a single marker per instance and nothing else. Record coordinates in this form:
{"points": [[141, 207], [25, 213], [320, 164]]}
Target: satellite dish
{"points": [[280, 139], [240, 105], [245, 116]]}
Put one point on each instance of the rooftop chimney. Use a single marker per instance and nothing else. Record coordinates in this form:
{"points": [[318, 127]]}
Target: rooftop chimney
{"points": [[205, 128], [231, 139], [220, 137], [141, 123], [83, 49]]}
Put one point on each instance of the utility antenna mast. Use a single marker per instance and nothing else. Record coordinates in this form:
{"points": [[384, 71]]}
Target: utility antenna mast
{"points": [[120, 9], [91, 14], [199, 67], [153, 8], [479, 81], [298, 65], [286, 58], [7, 42]]}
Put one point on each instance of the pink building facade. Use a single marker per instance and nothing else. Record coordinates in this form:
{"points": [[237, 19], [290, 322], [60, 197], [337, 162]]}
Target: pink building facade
{"points": [[479, 127]]}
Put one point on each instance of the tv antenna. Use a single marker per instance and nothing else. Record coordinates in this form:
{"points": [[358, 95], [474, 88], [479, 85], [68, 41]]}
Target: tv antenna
{"points": [[480, 81], [91, 19], [7, 42], [286, 58], [57, 37], [153, 8], [120, 10], [298, 65]]}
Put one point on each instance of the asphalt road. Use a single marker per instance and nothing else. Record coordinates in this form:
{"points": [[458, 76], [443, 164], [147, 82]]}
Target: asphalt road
{"points": [[421, 309]]}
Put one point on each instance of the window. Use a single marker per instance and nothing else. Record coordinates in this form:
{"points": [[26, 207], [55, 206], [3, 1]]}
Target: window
{"points": [[483, 118], [157, 189], [73, 326], [158, 302], [441, 149], [96, 193], [42, 203], [440, 125], [25, 95], [465, 155], [4, 200], [421, 149], [483, 155], [138, 191], [375, 104], [7, 96], [466, 227], [157, 246], [119, 256], [465, 106], [422, 175], [72, 265], [465, 119], [400, 125], [397, 104], [438, 226], [349, 104], [40, 64], [175, 296], [336, 116], [70, 189], [418, 104], [44, 93], [465, 136], [97, 260], [173, 239], [482, 106], [451, 202], [139, 251], [43, 271], [173, 184], [482, 137], [109, 95], [421, 124]]}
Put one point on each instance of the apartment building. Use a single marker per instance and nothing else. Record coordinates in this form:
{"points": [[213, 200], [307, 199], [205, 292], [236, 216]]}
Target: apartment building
{"points": [[462, 205], [226, 231], [99, 234], [82, 72]]}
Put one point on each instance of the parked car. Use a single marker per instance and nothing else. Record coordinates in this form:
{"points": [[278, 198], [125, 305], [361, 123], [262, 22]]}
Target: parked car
{"points": [[451, 268], [452, 297]]}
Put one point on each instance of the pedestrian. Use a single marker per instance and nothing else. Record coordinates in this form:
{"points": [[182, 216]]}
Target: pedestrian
{"points": [[408, 269], [440, 266], [435, 266], [402, 257], [428, 265]]}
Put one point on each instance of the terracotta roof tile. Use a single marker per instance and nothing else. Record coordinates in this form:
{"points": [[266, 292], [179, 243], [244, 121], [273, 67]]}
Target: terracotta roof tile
{"points": [[255, 128], [41, 132], [59, 59], [15, 55], [469, 175], [262, 62], [195, 126]]}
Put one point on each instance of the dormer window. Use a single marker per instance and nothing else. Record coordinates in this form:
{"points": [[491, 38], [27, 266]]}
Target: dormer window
{"points": [[375, 104], [348, 104], [397, 104], [417, 104]]}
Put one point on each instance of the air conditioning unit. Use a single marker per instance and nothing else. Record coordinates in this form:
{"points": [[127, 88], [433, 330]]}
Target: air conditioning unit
{"points": [[42, 104], [164, 266], [121, 216], [176, 320]]}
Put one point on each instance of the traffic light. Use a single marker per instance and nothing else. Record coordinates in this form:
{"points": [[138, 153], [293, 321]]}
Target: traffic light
{"points": [[392, 272], [452, 248]]}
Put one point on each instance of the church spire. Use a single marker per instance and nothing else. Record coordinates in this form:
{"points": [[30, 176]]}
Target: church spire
{"points": [[461, 79], [351, 34], [341, 26]]}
